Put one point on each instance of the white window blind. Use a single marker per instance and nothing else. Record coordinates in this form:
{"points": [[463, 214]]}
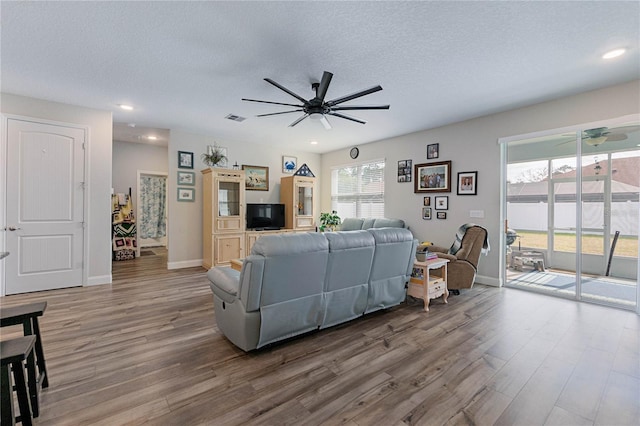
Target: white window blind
{"points": [[357, 190]]}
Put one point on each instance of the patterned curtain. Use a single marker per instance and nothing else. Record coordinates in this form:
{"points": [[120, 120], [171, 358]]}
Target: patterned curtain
{"points": [[153, 200]]}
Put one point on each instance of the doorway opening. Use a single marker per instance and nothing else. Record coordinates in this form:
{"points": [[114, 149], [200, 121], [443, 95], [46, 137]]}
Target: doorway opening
{"points": [[152, 212]]}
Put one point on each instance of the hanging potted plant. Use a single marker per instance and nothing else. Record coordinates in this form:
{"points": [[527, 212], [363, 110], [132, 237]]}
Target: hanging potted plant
{"points": [[329, 221], [213, 156]]}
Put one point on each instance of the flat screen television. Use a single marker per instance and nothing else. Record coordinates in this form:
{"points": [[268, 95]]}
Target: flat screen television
{"points": [[263, 217]]}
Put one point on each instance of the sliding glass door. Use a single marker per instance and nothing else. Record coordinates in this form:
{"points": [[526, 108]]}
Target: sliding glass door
{"points": [[572, 212]]}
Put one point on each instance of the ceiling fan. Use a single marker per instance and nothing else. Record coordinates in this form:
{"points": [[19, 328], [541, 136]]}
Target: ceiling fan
{"points": [[317, 108], [600, 135]]}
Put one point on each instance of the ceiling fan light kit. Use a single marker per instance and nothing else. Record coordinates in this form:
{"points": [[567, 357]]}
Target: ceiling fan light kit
{"points": [[317, 108]]}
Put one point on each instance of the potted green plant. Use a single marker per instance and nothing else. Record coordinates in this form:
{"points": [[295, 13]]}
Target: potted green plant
{"points": [[329, 221], [213, 156]]}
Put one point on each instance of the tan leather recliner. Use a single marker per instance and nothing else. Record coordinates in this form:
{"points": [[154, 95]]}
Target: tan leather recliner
{"points": [[462, 266]]}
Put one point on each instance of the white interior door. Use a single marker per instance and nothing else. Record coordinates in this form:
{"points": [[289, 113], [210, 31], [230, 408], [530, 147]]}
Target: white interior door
{"points": [[45, 206]]}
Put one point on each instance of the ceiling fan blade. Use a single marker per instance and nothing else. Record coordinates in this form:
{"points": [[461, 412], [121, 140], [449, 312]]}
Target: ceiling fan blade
{"points": [[616, 137], [269, 102], [298, 120], [354, 95], [325, 123], [324, 85], [623, 130], [284, 89], [353, 107], [277, 113], [357, 120]]}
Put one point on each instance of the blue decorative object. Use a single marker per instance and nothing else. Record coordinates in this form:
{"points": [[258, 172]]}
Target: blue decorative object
{"points": [[289, 164]]}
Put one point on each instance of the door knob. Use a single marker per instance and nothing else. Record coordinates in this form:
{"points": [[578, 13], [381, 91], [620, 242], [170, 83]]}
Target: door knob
{"points": [[13, 228]]}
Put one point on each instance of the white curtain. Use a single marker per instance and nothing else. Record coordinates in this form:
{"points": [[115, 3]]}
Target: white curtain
{"points": [[152, 223]]}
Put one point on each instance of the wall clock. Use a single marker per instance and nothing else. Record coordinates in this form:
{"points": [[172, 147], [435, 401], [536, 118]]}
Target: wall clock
{"points": [[354, 152]]}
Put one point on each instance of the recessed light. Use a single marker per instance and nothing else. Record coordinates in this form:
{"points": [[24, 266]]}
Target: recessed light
{"points": [[314, 142], [126, 107], [152, 138], [614, 53]]}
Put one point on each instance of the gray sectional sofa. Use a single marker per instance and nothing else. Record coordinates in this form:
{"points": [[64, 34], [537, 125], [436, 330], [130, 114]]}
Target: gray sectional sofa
{"points": [[295, 283], [354, 223]]}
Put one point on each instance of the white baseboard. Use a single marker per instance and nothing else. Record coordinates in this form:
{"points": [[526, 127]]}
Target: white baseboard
{"points": [[184, 264], [99, 280], [481, 279]]}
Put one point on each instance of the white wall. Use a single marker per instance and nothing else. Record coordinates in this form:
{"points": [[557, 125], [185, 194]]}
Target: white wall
{"points": [[128, 158], [472, 145], [185, 218], [98, 187]]}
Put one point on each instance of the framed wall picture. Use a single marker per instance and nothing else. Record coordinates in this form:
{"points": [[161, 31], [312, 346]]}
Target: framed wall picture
{"points": [[186, 178], [185, 160], [256, 178], [468, 183], [433, 151], [426, 213], [426, 201], [441, 215], [404, 170], [289, 164], [441, 202], [186, 194], [432, 177]]}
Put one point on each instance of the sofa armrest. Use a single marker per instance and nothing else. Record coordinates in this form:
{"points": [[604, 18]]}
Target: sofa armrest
{"points": [[448, 256], [438, 249], [225, 283]]}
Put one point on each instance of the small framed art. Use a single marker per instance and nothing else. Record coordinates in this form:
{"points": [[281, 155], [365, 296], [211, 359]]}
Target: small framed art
{"points": [[433, 151], [441, 215], [186, 178], [185, 160], [468, 183], [441, 203], [289, 164], [426, 213], [404, 170], [187, 194], [426, 201]]}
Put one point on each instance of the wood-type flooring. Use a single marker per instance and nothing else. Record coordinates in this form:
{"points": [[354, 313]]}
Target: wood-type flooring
{"points": [[146, 350]]}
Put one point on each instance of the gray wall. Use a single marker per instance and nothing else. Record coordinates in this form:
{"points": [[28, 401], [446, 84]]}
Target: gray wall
{"points": [[98, 187], [473, 145], [185, 218], [128, 158]]}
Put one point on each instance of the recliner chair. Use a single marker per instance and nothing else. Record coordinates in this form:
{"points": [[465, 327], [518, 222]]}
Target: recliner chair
{"points": [[463, 264]]}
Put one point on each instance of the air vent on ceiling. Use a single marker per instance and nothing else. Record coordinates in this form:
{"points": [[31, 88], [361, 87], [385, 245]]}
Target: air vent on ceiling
{"points": [[236, 118]]}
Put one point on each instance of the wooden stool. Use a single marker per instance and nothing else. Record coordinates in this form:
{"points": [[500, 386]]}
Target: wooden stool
{"points": [[27, 315], [14, 353]]}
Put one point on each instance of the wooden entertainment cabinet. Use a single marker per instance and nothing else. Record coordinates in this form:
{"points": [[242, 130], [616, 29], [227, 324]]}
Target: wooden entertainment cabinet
{"points": [[223, 217]]}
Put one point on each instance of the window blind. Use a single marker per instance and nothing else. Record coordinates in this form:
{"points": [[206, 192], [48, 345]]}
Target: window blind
{"points": [[357, 190]]}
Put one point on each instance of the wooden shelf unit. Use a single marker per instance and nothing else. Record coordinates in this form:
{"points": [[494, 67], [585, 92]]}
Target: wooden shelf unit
{"points": [[298, 194], [223, 216]]}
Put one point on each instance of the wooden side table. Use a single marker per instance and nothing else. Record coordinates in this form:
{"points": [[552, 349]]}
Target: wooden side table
{"points": [[426, 285]]}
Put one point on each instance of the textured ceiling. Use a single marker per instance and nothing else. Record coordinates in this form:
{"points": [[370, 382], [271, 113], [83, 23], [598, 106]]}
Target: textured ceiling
{"points": [[186, 65]]}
